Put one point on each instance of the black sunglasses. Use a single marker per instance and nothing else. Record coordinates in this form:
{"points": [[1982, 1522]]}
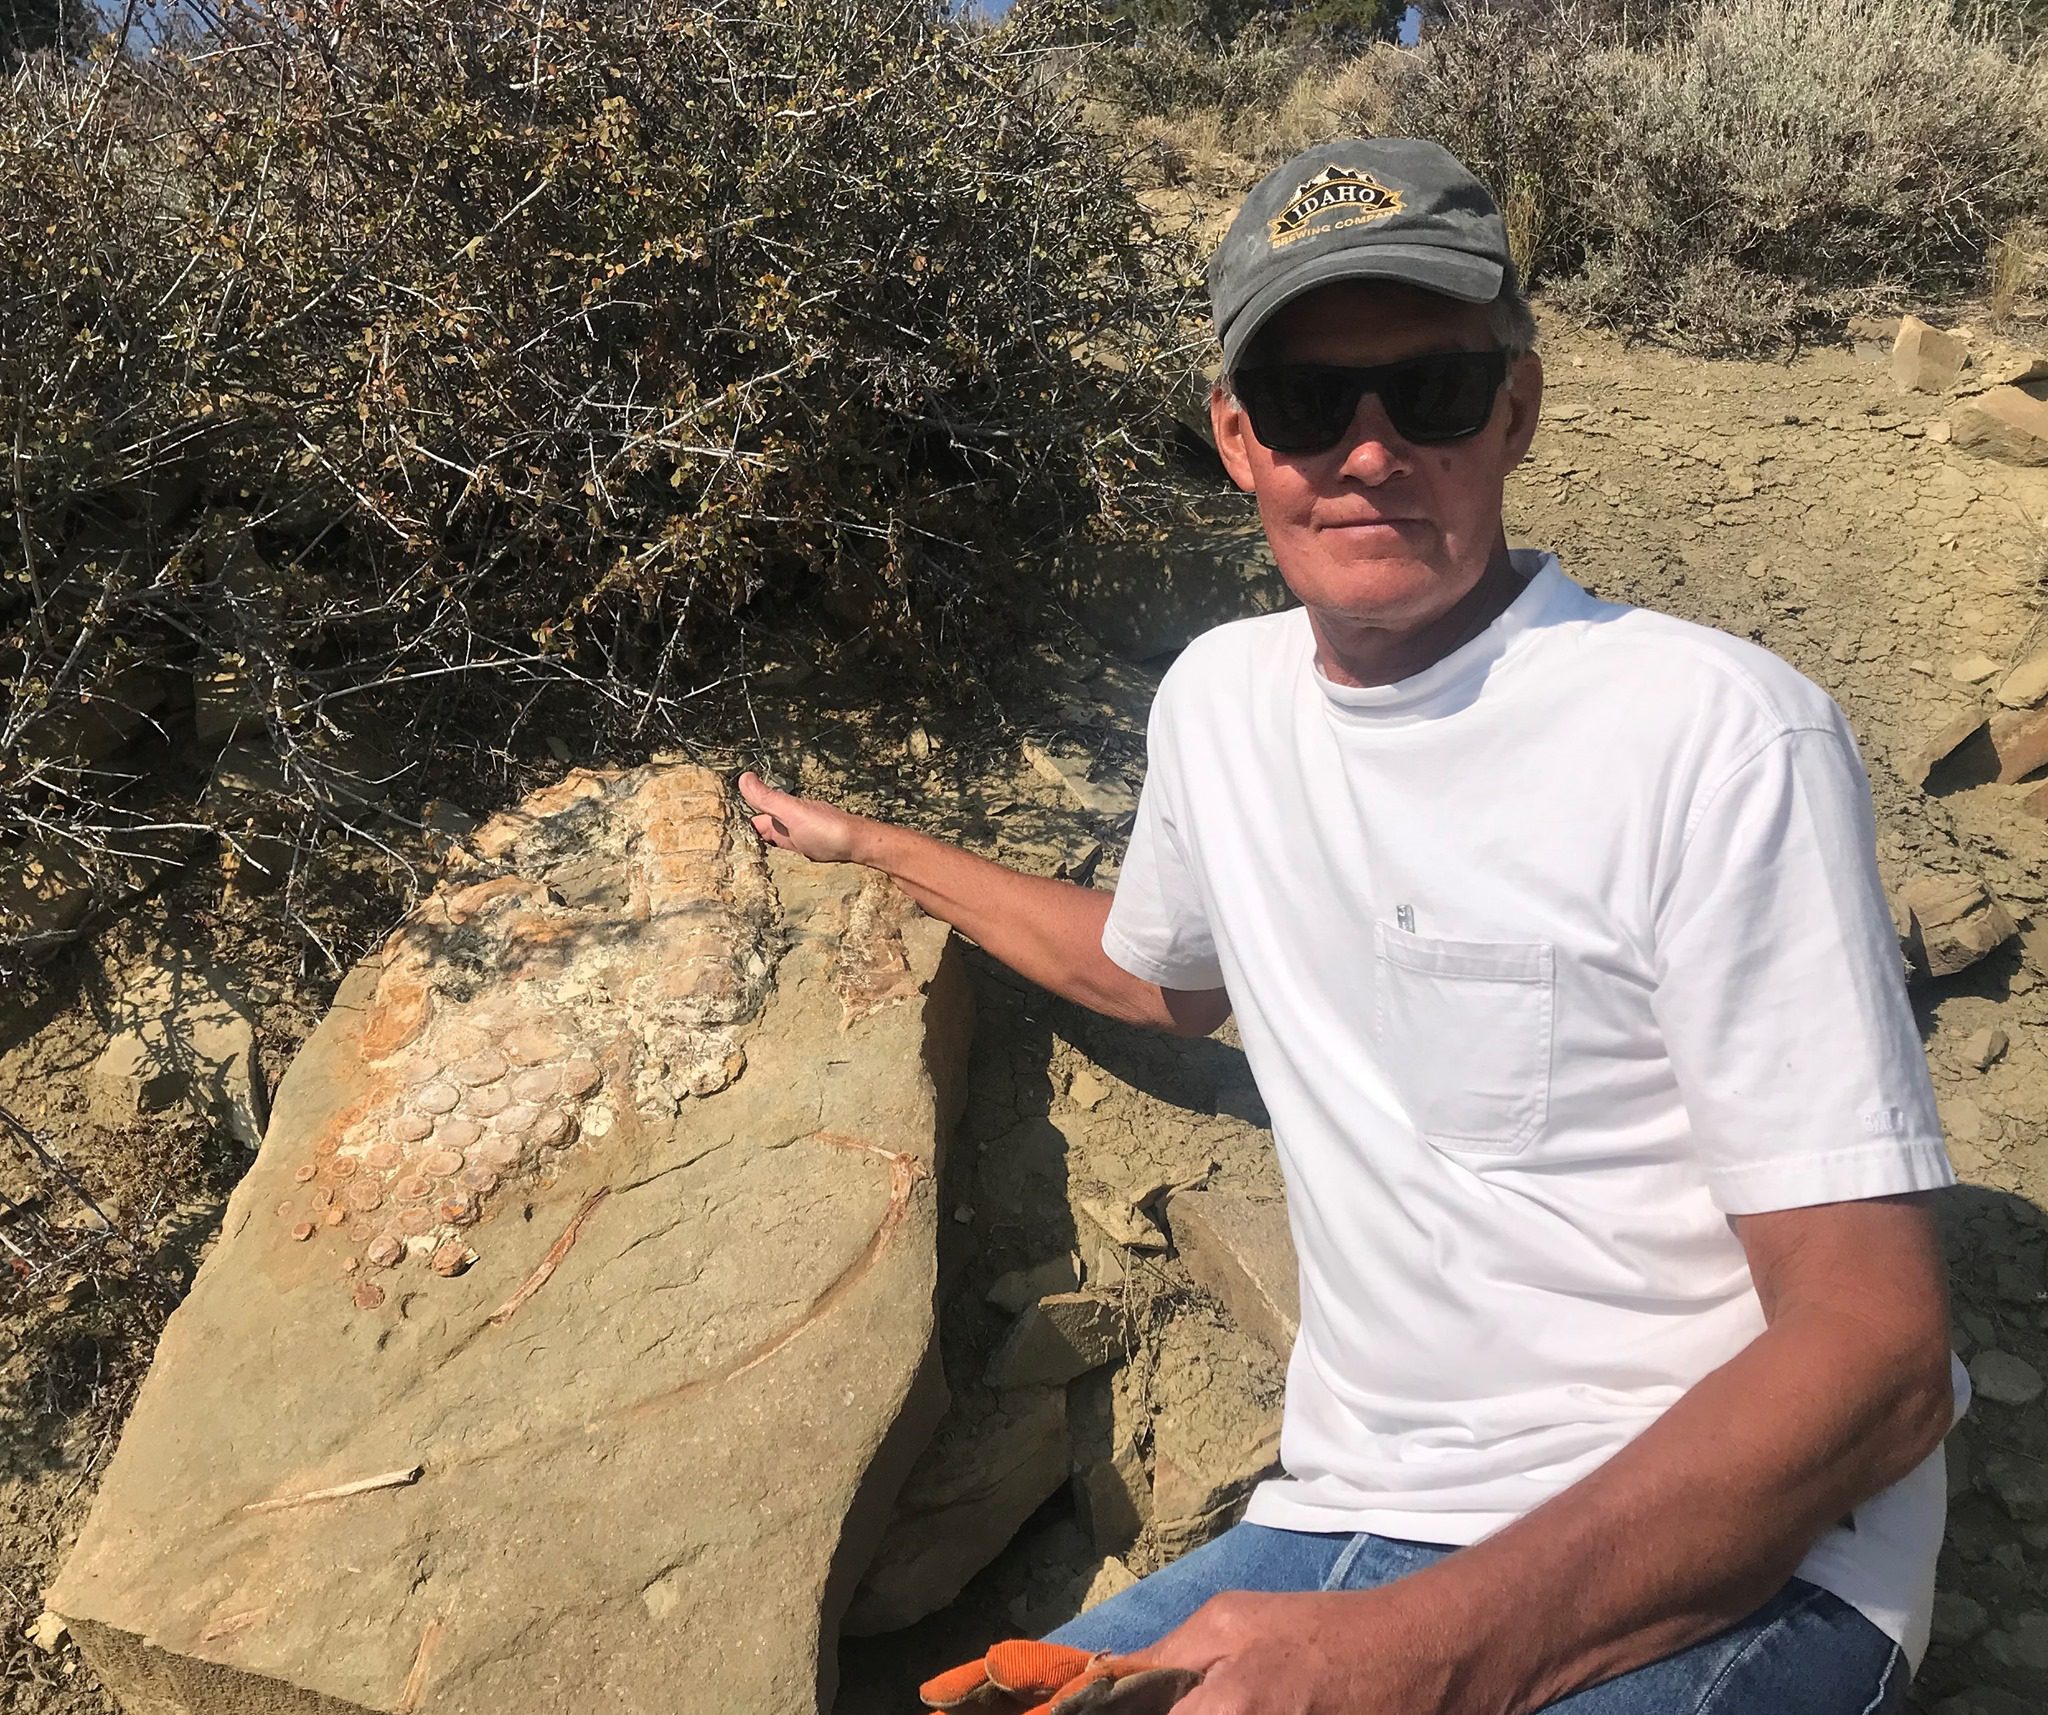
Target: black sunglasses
{"points": [[1308, 407]]}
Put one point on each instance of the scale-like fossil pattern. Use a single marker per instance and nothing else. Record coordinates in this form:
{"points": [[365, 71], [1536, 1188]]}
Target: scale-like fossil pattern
{"points": [[588, 961]]}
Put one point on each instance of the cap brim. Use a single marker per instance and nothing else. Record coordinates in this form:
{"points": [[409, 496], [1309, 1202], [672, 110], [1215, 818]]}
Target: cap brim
{"points": [[1433, 268]]}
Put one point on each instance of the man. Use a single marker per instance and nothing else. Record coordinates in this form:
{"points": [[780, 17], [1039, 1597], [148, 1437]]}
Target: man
{"points": [[1555, 938]]}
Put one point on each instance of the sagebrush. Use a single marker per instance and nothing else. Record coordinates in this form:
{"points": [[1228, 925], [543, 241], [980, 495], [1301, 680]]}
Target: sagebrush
{"points": [[1748, 173]]}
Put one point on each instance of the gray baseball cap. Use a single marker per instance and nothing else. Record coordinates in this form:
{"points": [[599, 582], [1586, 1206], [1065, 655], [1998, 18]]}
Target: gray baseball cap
{"points": [[1386, 208]]}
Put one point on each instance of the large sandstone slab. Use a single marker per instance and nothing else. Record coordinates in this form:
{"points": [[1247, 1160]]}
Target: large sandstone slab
{"points": [[586, 1272]]}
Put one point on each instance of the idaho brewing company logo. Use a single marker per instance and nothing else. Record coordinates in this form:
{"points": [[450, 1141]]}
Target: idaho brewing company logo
{"points": [[1357, 198]]}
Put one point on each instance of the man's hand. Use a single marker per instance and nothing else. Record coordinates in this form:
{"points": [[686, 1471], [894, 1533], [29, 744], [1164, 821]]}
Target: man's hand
{"points": [[1349, 1652], [802, 825], [1048, 931]]}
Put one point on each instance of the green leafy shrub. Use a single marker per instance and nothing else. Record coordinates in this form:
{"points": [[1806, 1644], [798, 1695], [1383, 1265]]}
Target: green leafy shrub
{"points": [[416, 362]]}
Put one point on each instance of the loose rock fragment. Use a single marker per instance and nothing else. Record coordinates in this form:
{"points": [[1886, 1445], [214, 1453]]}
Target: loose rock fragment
{"points": [[1241, 1249], [1132, 1228], [1921, 765], [2005, 1378], [2026, 686], [2005, 423], [452, 1259], [367, 1295], [387, 1251], [1057, 1339], [2019, 737], [1983, 1048], [1926, 359], [1952, 922], [1025, 1286], [303, 1231]]}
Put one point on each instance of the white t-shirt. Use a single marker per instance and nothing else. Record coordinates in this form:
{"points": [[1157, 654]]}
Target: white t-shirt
{"points": [[1547, 961]]}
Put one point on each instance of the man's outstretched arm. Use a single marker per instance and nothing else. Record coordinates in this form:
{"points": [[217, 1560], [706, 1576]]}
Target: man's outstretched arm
{"points": [[1047, 931]]}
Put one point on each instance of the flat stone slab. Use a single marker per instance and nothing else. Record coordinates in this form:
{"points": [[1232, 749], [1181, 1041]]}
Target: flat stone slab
{"points": [[1241, 1249], [568, 1341]]}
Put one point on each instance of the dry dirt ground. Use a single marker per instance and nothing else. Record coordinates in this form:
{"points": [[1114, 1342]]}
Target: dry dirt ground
{"points": [[1808, 505]]}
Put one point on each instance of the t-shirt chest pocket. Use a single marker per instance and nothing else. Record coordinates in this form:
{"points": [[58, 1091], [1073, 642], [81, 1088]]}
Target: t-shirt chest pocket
{"points": [[1464, 1031]]}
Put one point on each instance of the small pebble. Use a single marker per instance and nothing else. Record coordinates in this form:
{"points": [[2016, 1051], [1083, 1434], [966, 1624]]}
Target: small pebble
{"points": [[387, 1251], [2005, 1378], [320, 1197], [452, 1258], [303, 1231], [367, 1295], [334, 1217], [1984, 1048]]}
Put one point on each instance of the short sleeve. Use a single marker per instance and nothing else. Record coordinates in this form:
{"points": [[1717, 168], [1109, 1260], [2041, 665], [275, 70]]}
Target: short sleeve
{"points": [[1780, 991], [1159, 927]]}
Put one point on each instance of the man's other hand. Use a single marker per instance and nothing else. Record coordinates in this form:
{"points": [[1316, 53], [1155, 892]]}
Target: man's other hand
{"points": [[802, 825], [1351, 1652]]}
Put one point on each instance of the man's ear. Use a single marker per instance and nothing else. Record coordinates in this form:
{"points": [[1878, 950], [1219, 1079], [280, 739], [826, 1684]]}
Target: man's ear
{"points": [[1525, 405], [1233, 433]]}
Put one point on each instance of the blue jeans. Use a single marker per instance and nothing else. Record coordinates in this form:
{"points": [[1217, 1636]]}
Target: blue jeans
{"points": [[1804, 1651]]}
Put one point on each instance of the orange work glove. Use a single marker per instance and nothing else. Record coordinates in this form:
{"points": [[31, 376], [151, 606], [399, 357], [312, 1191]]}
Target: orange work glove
{"points": [[1025, 1678]]}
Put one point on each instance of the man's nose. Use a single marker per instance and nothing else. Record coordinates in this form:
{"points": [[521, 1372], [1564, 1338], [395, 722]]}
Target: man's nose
{"points": [[1373, 449]]}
